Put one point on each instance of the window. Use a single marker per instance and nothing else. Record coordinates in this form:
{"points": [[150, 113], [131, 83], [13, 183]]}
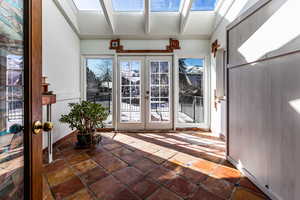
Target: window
{"points": [[191, 90], [128, 5], [99, 83], [165, 5], [88, 5], [203, 5]]}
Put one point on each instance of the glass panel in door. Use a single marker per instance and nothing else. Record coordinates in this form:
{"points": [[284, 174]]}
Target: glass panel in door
{"points": [[11, 100], [130, 91], [159, 91]]}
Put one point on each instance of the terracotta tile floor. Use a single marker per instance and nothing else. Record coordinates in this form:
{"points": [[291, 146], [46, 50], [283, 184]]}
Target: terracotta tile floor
{"points": [[151, 166]]}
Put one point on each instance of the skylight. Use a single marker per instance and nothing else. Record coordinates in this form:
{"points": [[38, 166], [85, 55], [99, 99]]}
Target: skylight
{"points": [[203, 5], [88, 4], [165, 5], [128, 5]]}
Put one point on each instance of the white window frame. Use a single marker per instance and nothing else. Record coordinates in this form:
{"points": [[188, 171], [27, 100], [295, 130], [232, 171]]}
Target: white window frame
{"points": [[207, 90], [207, 112], [83, 84]]}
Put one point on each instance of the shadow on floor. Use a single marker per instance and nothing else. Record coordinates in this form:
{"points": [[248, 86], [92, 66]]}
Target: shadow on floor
{"points": [[154, 166]]}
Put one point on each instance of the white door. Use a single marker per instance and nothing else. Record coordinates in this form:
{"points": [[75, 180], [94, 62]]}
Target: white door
{"points": [[159, 112], [144, 94]]}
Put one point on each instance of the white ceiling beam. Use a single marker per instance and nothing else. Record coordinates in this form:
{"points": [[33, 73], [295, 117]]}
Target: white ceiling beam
{"points": [[62, 7], [108, 13], [185, 13], [147, 16]]}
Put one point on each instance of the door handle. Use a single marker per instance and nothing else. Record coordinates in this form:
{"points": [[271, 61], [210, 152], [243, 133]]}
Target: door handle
{"points": [[38, 126]]}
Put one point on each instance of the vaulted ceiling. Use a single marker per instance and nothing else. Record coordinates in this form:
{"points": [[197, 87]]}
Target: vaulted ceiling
{"points": [[140, 19]]}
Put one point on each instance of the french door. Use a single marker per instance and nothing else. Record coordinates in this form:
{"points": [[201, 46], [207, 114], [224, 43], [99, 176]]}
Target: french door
{"points": [[144, 94], [20, 99]]}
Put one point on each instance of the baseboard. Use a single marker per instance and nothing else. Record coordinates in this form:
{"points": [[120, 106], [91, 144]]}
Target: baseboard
{"points": [[246, 173], [105, 129], [68, 136], [145, 131], [193, 129], [74, 132]]}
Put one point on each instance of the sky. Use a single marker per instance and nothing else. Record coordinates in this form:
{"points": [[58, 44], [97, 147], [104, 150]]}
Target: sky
{"points": [[93, 65], [203, 5], [194, 62], [138, 5]]}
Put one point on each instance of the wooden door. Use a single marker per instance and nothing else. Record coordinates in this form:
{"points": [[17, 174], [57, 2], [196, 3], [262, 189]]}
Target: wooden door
{"points": [[20, 99]]}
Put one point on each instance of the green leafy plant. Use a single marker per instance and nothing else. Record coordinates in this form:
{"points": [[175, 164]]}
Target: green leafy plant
{"points": [[85, 116]]}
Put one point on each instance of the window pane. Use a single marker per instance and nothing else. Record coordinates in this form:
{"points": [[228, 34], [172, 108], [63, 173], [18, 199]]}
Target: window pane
{"points": [[154, 67], [165, 5], [164, 67], [87, 4], [12, 99], [191, 86], [99, 83], [203, 5], [128, 5]]}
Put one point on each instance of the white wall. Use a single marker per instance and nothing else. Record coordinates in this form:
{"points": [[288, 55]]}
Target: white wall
{"points": [[189, 48], [61, 58], [228, 11], [264, 108]]}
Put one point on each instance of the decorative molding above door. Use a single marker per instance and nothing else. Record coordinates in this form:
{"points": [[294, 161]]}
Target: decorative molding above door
{"points": [[173, 44]]}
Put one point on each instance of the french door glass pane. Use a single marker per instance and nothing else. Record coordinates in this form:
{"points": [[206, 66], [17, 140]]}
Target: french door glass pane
{"points": [[11, 100], [99, 83], [191, 87], [159, 91], [130, 95]]}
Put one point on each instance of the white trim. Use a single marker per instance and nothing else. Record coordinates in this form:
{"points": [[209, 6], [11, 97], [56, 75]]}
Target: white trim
{"points": [[147, 13], [107, 9], [62, 96], [72, 24], [184, 14], [246, 173], [73, 6], [248, 13]]}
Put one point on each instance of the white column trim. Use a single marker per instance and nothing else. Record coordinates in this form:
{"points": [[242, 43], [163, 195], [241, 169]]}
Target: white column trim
{"points": [[147, 13], [185, 13], [108, 13]]}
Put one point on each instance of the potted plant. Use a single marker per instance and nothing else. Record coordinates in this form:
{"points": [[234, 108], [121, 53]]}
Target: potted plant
{"points": [[85, 117]]}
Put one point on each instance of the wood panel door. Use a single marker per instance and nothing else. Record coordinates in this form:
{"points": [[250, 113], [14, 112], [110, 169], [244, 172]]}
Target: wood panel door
{"points": [[20, 99]]}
